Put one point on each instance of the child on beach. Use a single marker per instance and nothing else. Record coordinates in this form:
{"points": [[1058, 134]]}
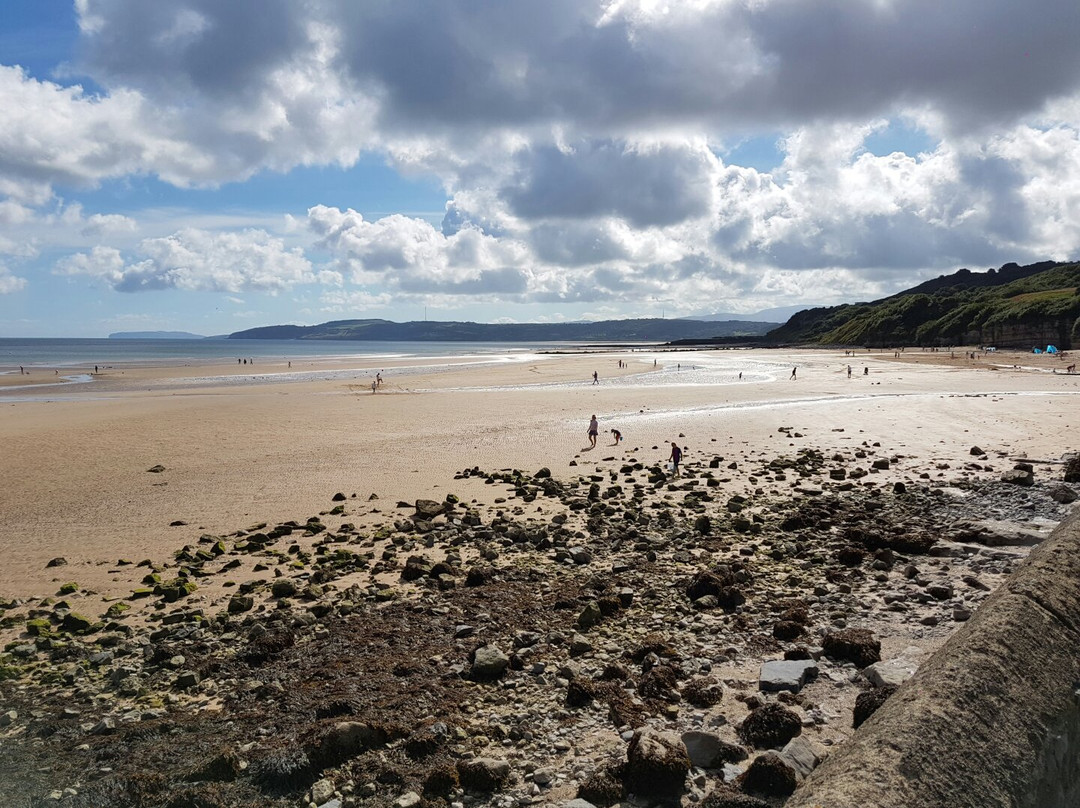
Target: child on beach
{"points": [[675, 458], [616, 436]]}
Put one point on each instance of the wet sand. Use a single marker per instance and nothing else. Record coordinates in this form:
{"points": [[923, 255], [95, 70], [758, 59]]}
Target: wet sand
{"points": [[268, 443]]}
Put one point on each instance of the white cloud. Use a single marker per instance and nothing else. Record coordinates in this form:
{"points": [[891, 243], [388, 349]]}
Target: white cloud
{"points": [[10, 283], [577, 141], [197, 260]]}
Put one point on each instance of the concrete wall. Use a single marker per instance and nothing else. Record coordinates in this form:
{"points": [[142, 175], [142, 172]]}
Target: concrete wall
{"points": [[991, 719]]}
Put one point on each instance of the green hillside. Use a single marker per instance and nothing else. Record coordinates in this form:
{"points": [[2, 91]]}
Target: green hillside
{"points": [[1020, 307], [642, 330]]}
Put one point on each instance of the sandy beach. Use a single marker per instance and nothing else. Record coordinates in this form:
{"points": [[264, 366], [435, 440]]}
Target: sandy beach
{"points": [[252, 554], [268, 443]]}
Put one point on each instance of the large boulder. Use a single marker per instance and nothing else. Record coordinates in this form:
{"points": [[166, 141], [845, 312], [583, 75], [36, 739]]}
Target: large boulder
{"points": [[707, 750], [770, 726], [784, 674], [853, 645], [428, 509], [483, 774], [657, 764], [770, 775], [489, 662]]}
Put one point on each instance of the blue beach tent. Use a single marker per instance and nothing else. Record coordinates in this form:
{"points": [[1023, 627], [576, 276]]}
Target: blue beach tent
{"points": [[1051, 349], [1036, 350]]}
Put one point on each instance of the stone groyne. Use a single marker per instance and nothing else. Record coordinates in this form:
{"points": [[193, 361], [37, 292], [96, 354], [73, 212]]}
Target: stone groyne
{"points": [[992, 719]]}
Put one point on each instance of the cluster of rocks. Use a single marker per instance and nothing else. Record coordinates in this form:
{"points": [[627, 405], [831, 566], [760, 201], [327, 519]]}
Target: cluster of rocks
{"points": [[620, 633]]}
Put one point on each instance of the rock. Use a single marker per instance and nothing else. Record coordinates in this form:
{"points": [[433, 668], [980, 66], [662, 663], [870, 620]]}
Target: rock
{"points": [[8, 718], [975, 451], [578, 802], [772, 725], [770, 775], [1072, 470], [708, 751], [590, 615], [338, 497], [940, 591], [867, 703], [882, 464], [1020, 477], [483, 774], [186, 680], [489, 663], [657, 764], [998, 533], [59, 561], [321, 791], [240, 603], [409, 799], [283, 588], [347, 739], [1060, 493], [428, 509], [786, 675], [156, 469], [802, 755], [579, 645], [890, 673], [76, 623], [416, 567], [853, 645]]}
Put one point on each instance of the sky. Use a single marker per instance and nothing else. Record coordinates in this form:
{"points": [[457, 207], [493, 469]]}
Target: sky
{"points": [[213, 166]]}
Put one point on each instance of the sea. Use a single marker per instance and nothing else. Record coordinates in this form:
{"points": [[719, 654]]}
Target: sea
{"points": [[78, 361], [86, 353]]}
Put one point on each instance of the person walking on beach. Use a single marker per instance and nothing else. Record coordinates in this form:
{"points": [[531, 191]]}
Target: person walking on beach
{"points": [[675, 458], [617, 436], [865, 370], [594, 430], [849, 371], [595, 378], [373, 386], [792, 378]]}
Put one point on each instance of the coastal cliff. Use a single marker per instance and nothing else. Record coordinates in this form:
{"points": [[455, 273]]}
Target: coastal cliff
{"points": [[1013, 307]]}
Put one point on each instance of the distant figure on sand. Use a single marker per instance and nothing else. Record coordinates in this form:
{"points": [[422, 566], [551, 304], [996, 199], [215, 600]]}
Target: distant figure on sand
{"points": [[793, 372], [595, 378], [849, 371], [617, 436], [865, 371], [675, 458], [373, 386], [594, 430], [740, 375]]}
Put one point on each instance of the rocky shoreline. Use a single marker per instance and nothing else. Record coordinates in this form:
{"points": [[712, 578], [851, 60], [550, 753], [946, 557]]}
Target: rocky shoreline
{"points": [[613, 635]]}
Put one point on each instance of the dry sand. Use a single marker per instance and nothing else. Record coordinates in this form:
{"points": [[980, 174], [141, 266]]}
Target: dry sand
{"points": [[269, 443]]}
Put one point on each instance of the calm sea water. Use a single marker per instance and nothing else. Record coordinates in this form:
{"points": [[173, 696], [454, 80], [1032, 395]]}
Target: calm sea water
{"points": [[89, 352]]}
